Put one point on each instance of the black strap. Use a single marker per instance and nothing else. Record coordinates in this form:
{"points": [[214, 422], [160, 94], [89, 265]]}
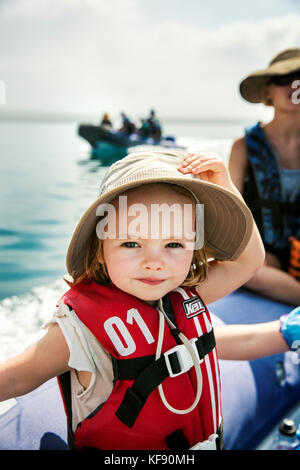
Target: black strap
{"points": [[148, 378], [135, 397], [65, 383], [177, 441], [167, 306], [206, 343], [129, 369]]}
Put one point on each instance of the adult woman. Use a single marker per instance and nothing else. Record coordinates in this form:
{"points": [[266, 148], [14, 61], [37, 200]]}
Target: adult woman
{"points": [[265, 167]]}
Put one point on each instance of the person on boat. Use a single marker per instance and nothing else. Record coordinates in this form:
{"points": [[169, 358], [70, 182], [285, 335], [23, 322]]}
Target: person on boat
{"points": [[144, 128], [265, 166], [154, 126], [128, 126], [106, 122], [132, 340]]}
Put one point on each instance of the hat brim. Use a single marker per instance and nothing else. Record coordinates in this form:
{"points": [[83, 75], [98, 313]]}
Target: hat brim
{"points": [[228, 222], [251, 86]]}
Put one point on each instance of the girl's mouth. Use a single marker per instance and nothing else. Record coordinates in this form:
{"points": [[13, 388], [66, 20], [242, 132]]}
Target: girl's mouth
{"points": [[151, 281]]}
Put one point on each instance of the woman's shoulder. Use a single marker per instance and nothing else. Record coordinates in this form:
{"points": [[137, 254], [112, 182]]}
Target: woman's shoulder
{"points": [[239, 144], [238, 153], [238, 162]]}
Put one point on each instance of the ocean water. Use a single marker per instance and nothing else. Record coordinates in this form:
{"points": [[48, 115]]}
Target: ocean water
{"points": [[47, 181]]}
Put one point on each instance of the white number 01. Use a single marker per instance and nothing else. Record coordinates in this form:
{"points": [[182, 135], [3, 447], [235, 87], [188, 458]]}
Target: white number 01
{"points": [[119, 334]]}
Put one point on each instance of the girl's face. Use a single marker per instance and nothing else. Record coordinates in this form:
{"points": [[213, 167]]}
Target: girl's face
{"points": [[143, 263]]}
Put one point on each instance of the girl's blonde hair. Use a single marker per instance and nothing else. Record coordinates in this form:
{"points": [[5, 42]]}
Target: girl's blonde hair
{"points": [[96, 270]]}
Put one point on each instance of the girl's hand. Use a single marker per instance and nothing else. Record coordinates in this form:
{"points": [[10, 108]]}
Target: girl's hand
{"points": [[208, 167]]}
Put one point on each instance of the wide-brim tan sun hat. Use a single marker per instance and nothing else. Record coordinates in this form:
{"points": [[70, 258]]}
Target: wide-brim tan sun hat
{"points": [[228, 222], [287, 61]]}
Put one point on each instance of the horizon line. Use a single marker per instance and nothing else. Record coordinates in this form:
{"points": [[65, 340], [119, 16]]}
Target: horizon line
{"points": [[23, 115]]}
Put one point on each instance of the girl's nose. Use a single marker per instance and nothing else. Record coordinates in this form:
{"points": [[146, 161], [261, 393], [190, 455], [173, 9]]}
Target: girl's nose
{"points": [[153, 263]]}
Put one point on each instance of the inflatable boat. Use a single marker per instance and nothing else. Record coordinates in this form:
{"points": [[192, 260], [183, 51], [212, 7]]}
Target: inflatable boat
{"points": [[256, 395], [110, 145]]}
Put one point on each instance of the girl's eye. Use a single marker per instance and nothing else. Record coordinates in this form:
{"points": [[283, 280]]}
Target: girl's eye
{"points": [[130, 244], [174, 245]]}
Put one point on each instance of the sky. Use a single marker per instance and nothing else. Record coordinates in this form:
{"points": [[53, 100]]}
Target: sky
{"points": [[184, 58]]}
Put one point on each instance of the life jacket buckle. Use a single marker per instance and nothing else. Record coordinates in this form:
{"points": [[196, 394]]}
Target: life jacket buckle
{"points": [[179, 360], [209, 444]]}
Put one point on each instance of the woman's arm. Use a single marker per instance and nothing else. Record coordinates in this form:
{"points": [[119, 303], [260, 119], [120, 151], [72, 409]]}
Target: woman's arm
{"points": [[37, 364], [238, 163], [249, 342], [226, 276]]}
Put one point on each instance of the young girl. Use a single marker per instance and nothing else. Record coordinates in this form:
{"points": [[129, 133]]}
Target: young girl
{"points": [[265, 167], [132, 341]]}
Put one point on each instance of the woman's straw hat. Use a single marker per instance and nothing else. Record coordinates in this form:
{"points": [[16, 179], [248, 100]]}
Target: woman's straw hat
{"points": [[227, 220], [285, 62]]}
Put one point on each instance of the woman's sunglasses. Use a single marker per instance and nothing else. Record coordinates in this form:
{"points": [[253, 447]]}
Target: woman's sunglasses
{"points": [[283, 80]]}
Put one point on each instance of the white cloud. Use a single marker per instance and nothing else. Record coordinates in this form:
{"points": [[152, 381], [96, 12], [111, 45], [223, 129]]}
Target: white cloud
{"points": [[95, 55]]}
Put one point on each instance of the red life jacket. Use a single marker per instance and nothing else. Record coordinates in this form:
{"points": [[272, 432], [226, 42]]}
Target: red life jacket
{"points": [[134, 417]]}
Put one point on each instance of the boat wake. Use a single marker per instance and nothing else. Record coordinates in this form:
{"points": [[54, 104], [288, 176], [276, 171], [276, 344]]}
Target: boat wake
{"points": [[22, 317]]}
